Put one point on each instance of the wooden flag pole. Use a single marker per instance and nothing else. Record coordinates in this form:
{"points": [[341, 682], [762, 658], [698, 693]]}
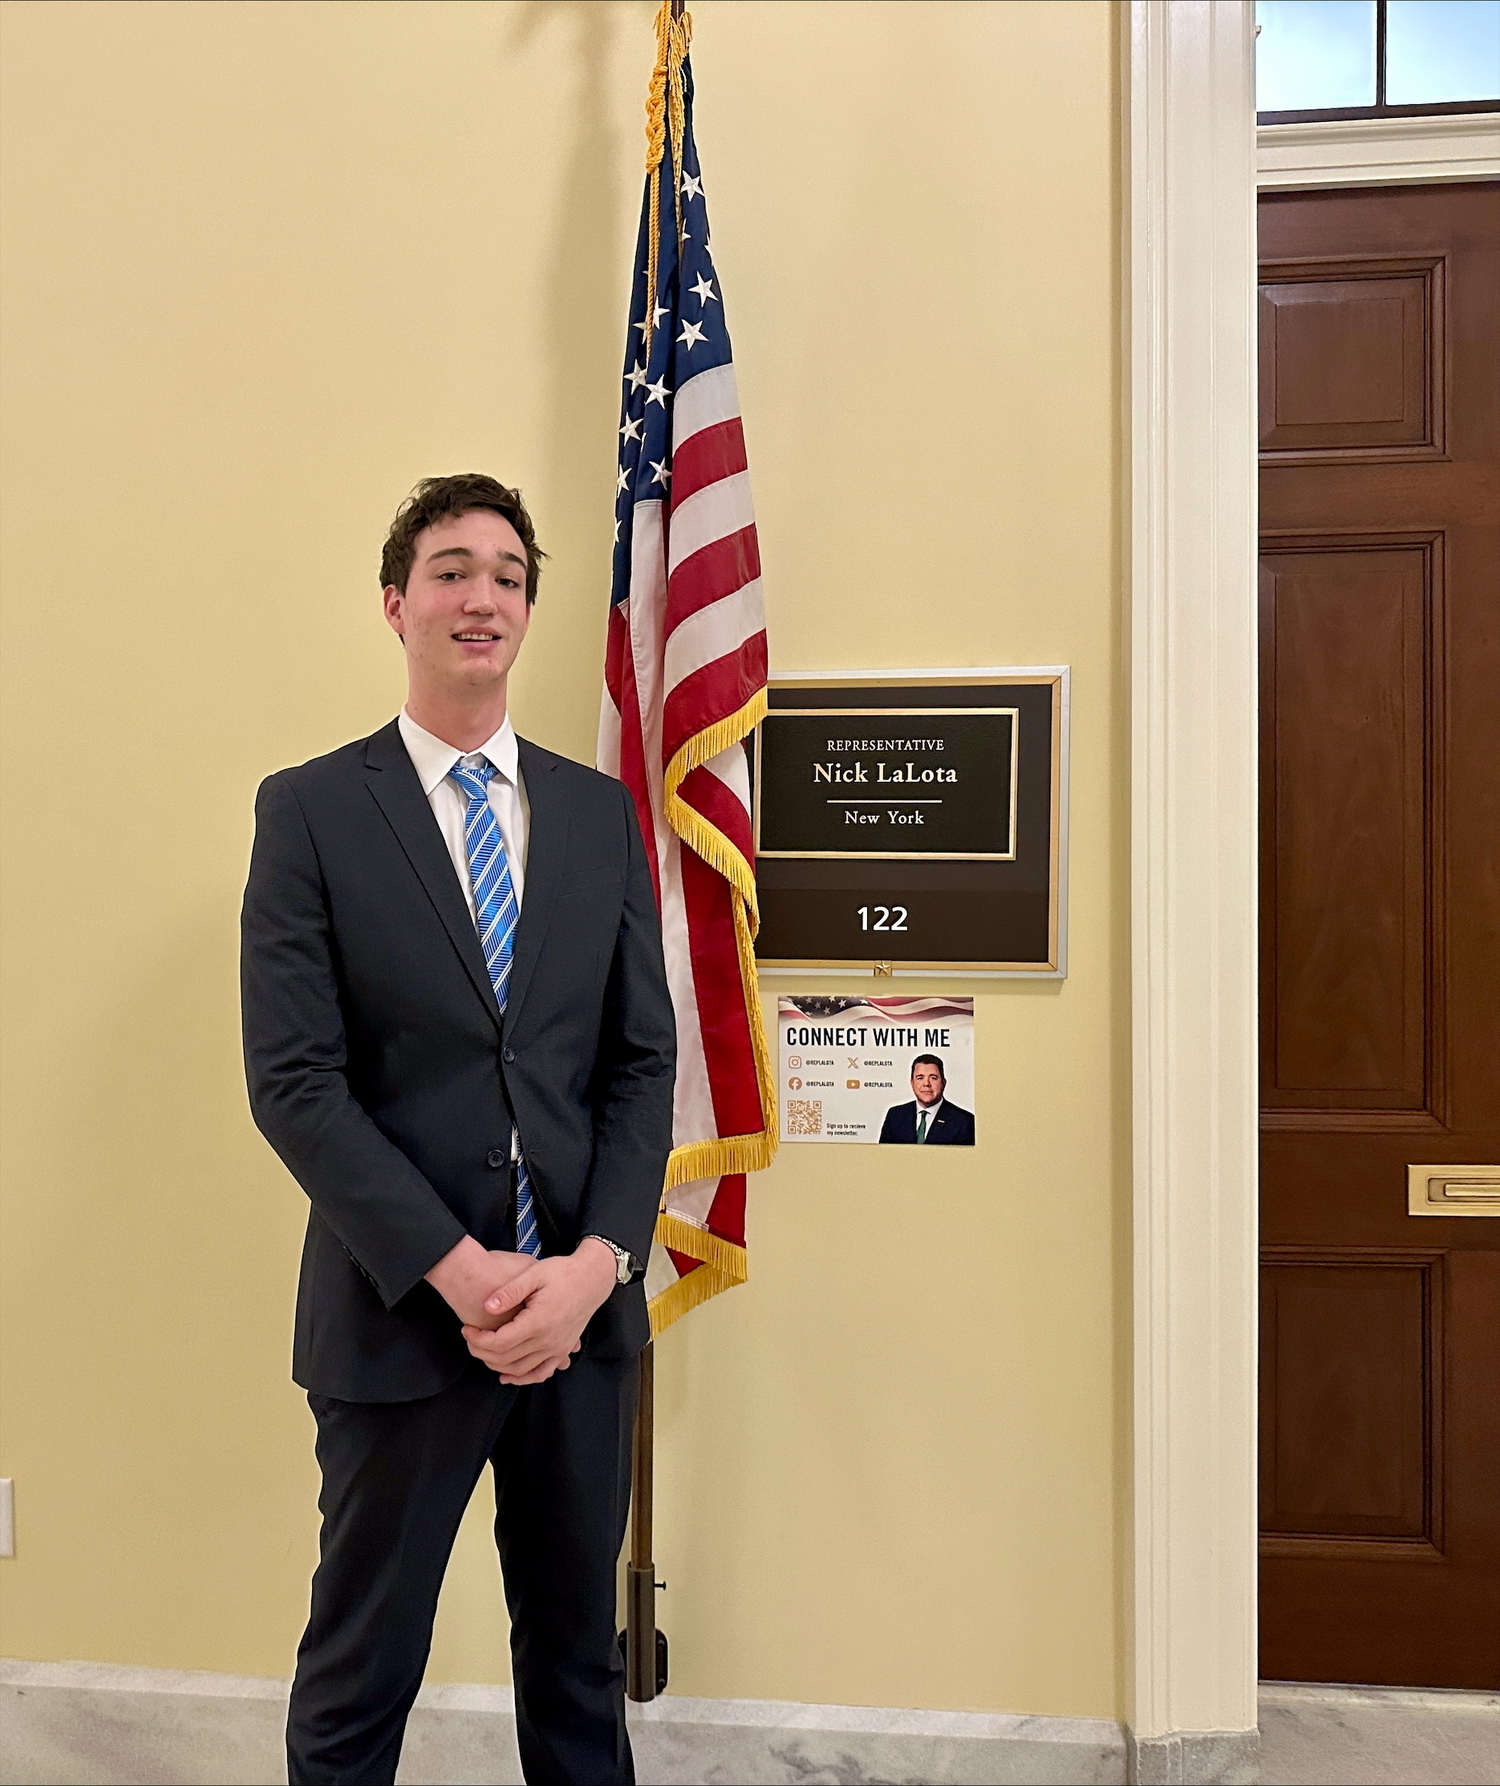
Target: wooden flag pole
{"points": [[645, 1646]]}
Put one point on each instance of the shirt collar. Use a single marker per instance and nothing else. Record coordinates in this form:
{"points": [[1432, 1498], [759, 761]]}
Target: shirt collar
{"points": [[432, 758], [931, 1109]]}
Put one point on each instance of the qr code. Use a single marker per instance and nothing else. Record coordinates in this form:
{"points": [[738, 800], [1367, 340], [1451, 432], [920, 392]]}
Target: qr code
{"points": [[804, 1116]]}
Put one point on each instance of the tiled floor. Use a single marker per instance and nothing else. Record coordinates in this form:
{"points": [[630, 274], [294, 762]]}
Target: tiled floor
{"points": [[76, 1735], [1378, 1736]]}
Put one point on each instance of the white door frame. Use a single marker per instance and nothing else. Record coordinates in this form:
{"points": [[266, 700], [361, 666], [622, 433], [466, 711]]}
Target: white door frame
{"points": [[1190, 273], [1192, 166], [1378, 151]]}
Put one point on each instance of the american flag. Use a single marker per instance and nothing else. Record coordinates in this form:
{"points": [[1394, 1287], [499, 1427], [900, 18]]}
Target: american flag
{"points": [[685, 685]]}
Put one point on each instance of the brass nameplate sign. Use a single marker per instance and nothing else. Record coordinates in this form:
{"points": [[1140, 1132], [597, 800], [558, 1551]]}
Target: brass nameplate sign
{"points": [[910, 822], [931, 782]]}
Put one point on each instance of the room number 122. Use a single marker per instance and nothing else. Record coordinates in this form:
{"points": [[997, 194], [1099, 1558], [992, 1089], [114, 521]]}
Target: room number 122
{"points": [[886, 917]]}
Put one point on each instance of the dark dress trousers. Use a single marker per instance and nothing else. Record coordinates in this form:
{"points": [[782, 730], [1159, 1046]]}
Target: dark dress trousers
{"points": [[951, 1126], [382, 1072]]}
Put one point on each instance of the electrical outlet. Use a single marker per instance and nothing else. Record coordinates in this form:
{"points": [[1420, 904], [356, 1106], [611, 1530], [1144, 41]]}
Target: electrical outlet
{"points": [[7, 1516]]}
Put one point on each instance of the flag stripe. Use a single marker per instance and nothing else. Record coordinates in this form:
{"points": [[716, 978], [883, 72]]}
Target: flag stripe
{"points": [[724, 686], [702, 401], [726, 1214], [630, 764], [706, 794], [693, 1106], [694, 1201], [718, 570], [718, 452], [713, 632], [723, 1035], [732, 767], [720, 508]]}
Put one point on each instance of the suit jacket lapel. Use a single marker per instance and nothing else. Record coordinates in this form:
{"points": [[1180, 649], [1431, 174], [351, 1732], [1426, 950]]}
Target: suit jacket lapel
{"points": [[393, 782], [546, 849]]}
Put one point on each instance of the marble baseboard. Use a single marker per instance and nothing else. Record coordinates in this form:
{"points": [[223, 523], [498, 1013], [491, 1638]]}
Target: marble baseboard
{"points": [[92, 1724], [1194, 1757]]}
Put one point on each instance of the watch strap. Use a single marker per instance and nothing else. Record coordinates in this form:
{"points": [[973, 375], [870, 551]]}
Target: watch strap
{"points": [[626, 1265]]}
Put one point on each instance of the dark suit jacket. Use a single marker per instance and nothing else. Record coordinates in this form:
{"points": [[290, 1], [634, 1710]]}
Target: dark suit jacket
{"points": [[952, 1126], [381, 1070]]}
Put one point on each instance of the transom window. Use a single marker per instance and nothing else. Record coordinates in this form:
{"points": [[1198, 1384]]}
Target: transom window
{"points": [[1375, 58]]}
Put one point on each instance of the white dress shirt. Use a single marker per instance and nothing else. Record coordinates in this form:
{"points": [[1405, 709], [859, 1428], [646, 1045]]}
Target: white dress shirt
{"points": [[932, 1110], [432, 759]]}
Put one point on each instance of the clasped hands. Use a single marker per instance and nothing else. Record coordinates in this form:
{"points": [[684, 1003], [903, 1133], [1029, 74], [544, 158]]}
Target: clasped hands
{"points": [[524, 1317]]}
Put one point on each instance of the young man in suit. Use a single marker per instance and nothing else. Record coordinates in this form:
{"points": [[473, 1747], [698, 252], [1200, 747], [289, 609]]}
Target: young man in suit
{"points": [[459, 1039], [929, 1117]]}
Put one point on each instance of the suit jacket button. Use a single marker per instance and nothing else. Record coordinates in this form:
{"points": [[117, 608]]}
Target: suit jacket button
{"points": [[508, 1055], [496, 1157]]}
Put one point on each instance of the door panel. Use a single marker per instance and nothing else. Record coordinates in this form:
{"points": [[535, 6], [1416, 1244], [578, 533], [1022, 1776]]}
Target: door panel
{"points": [[1351, 359], [1380, 932], [1351, 1352], [1345, 362], [1347, 642]]}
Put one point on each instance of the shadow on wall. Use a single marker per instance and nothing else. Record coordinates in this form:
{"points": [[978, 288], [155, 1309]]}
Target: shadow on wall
{"points": [[581, 341]]}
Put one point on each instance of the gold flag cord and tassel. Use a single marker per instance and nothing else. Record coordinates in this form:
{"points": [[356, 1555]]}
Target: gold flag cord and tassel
{"points": [[665, 115]]}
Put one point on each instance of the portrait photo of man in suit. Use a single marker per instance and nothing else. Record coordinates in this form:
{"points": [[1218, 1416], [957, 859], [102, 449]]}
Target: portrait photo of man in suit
{"points": [[929, 1117], [459, 1039]]}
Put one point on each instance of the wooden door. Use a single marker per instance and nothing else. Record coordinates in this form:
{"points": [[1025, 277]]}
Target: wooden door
{"points": [[1380, 928]]}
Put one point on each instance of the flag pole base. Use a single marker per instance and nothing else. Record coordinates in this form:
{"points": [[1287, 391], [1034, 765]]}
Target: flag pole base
{"points": [[642, 1645]]}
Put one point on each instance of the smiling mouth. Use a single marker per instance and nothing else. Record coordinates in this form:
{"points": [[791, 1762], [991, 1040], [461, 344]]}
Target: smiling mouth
{"points": [[477, 638]]}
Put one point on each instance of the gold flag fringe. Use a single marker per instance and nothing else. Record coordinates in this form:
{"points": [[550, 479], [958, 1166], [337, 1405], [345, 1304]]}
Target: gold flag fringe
{"points": [[713, 1250], [726, 1153], [686, 1294], [705, 839], [723, 1266], [722, 1263]]}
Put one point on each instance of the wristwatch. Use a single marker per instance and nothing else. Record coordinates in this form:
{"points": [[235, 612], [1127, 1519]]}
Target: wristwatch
{"points": [[626, 1264]]}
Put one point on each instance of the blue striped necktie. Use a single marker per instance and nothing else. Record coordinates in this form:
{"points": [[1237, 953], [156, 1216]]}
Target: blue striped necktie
{"points": [[496, 914]]}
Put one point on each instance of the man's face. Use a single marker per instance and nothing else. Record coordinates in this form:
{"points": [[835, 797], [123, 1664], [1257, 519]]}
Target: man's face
{"points": [[927, 1082], [463, 614]]}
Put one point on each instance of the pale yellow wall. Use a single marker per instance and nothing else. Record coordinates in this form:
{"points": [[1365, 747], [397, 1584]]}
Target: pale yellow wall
{"points": [[266, 265]]}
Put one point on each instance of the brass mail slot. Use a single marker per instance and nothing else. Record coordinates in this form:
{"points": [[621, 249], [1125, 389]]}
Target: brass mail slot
{"points": [[1453, 1190]]}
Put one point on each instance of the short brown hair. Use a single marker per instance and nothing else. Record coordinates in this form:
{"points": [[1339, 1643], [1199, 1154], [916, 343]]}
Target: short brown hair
{"points": [[437, 499]]}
